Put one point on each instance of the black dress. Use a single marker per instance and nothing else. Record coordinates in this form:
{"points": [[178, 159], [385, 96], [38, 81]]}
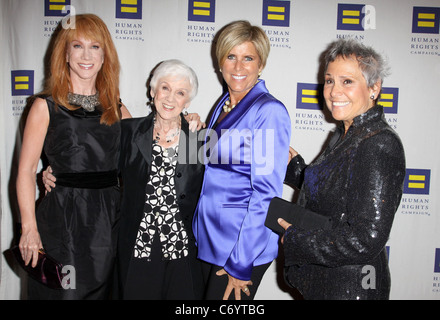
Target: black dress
{"points": [[77, 219], [358, 181]]}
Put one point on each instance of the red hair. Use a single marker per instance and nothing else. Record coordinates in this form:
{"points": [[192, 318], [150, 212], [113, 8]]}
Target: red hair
{"points": [[90, 27]]}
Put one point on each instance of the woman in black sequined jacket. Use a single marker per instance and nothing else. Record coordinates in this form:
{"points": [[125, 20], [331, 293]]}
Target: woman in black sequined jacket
{"points": [[357, 181]]}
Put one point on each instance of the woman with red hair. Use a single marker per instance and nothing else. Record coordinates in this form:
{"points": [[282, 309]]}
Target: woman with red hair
{"points": [[76, 122]]}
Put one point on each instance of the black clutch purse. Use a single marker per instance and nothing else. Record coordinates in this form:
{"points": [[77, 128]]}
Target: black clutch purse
{"points": [[47, 270], [294, 214]]}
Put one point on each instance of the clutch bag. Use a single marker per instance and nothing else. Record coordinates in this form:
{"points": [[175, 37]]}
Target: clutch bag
{"points": [[295, 215], [47, 271]]}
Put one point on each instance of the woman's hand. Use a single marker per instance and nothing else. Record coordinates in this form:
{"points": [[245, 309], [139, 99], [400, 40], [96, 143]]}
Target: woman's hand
{"points": [[194, 122], [30, 243], [292, 153], [285, 226], [236, 285], [49, 179]]}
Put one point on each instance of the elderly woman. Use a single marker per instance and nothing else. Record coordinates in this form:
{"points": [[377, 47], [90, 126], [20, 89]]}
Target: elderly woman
{"points": [[248, 129], [357, 181], [161, 178]]}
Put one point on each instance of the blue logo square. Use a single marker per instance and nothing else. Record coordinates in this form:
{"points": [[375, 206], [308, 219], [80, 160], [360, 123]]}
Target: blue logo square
{"points": [[22, 82], [276, 13], [417, 181], [426, 20], [350, 17], [309, 96], [201, 10], [54, 8], [129, 9]]}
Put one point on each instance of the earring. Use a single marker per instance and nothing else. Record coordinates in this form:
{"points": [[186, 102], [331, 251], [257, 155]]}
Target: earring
{"points": [[372, 97]]}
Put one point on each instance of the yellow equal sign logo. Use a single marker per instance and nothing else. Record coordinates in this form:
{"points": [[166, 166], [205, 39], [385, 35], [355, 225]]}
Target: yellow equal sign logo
{"points": [[416, 181], [21, 83], [426, 20], [354, 16], [276, 13], [59, 6], [201, 8], [386, 100], [125, 3], [309, 96]]}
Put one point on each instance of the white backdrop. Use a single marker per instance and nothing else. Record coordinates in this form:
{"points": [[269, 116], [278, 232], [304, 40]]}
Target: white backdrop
{"points": [[147, 32]]}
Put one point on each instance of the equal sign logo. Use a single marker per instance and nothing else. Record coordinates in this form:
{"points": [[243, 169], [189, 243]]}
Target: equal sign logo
{"points": [[129, 9], [22, 82], [309, 96], [54, 8], [389, 99], [426, 20], [350, 17], [202, 10], [417, 181], [276, 13]]}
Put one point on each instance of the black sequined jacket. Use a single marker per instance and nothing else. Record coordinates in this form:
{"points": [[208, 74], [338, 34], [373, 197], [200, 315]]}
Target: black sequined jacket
{"points": [[358, 181]]}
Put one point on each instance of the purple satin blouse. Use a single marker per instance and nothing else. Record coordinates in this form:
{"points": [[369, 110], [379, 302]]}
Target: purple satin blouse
{"points": [[245, 167]]}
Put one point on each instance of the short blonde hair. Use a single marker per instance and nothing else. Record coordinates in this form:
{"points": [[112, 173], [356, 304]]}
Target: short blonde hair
{"points": [[238, 32]]}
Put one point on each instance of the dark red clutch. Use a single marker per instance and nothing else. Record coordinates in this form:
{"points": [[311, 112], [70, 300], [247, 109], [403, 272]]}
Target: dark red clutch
{"points": [[47, 271]]}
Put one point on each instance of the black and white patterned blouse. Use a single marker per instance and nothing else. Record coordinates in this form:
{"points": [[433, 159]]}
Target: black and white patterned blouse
{"points": [[161, 211]]}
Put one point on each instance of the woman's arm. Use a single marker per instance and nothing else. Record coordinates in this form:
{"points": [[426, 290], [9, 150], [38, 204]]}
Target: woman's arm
{"points": [[124, 111], [270, 145], [33, 139], [295, 169], [373, 197]]}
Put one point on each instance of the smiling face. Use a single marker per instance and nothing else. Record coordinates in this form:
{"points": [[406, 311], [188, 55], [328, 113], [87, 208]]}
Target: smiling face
{"points": [[240, 70], [345, 90], [85, 58], [171, 95]]}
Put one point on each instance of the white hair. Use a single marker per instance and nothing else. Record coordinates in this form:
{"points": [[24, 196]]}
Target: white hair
{"points": [[175, 68]]}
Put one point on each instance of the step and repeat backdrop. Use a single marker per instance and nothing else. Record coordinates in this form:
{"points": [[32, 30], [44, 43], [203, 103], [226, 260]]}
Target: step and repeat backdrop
{"points": [[149, 31]]}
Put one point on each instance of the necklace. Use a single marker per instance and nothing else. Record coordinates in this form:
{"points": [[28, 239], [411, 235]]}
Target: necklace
{"points": [[227, 107], [168, 137], [88, 103]]}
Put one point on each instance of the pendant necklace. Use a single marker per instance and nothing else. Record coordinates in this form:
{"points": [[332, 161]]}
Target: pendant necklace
{"points": [[168, 137]]}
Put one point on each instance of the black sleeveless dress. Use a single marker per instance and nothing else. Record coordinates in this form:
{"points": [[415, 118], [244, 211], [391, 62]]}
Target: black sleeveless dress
{"points": [[77, 220]]}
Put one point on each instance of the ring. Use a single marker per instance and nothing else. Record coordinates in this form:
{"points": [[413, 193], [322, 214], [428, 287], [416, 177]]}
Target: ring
{"points": [[245, 289]]}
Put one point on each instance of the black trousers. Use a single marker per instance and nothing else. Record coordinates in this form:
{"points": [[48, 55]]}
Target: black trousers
{"points": [[216, 285], [159, 279]]}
